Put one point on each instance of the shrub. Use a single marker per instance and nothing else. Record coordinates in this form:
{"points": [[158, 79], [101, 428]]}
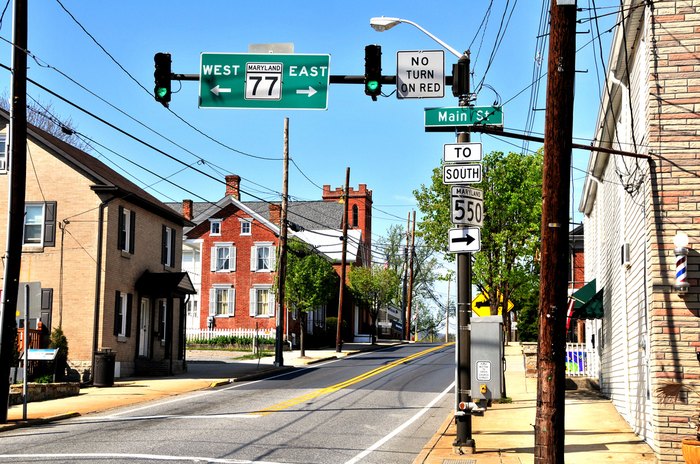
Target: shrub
{"points": [[58, 340]]}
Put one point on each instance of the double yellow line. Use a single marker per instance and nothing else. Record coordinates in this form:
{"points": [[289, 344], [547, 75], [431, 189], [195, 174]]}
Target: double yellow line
{"points": [[339, 386]]}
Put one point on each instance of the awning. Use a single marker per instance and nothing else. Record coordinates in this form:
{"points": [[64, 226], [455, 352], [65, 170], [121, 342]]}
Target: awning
{"points": [[588, 304], [165, 284]]}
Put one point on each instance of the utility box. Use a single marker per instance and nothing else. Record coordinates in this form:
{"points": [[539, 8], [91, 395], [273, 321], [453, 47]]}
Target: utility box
{"points": [[487, 359]]}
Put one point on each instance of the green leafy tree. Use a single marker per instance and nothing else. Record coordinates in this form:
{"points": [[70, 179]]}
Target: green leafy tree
{"points": [[374, 286], [512, 186], [310, 282]]}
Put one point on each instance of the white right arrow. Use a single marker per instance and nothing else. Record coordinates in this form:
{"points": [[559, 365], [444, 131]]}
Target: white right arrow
{"points": [[217, 90], [309, 93]]}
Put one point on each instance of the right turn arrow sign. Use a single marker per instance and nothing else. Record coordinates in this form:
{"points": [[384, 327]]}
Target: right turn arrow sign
{"points": [[464, 240]]}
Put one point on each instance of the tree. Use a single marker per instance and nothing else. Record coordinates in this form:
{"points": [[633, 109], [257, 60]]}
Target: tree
{"points": [[311, 281], [512, 186], [374, 286]]}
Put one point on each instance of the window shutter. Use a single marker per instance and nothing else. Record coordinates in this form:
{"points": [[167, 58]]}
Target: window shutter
{"points": [[212, 302], [273, 258], [173, 232], [120, 236], [271, 303], [163, 245], [231, 301], [252, 302], [161, 320], [233, 258], [213, 259], [129, 300], [117, 305], [253, 258], [46, 307], [50, 223], [132, 232]]}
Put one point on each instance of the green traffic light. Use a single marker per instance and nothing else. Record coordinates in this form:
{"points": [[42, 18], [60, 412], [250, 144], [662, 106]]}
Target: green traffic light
{"points": [[161, 92], [372, 85]]}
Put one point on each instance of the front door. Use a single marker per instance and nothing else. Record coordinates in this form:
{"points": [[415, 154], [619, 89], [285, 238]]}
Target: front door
{"points": [[144, 328]]}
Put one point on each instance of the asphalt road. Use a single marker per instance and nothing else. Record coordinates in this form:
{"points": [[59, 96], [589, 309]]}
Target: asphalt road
{"points": [[375, 407]]}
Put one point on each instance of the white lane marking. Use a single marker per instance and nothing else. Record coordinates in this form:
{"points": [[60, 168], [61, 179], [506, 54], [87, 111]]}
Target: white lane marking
{"points": [[400, 428], [168, 416], [151, 457]]}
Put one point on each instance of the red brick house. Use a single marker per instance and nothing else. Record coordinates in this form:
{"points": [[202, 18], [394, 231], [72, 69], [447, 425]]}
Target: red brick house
{"points": [[237, 245]]}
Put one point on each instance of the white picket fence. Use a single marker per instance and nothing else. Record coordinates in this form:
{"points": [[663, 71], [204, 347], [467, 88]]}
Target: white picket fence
{"points": [[582, 360], [206, 334]]}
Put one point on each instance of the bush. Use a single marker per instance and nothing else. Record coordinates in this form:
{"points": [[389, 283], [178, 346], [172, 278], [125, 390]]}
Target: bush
{"points": [[58, 340]]}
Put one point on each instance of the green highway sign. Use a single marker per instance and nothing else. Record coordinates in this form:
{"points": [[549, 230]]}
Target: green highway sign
{"points": [[455, 118], [264, 81]]}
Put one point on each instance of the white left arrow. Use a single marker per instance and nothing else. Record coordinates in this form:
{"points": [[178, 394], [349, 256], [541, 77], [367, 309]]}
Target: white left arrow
{"points": [[310, 92], [217, 90]]}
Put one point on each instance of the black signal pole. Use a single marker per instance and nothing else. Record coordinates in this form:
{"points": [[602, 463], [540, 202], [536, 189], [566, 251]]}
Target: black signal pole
{"points": [[17, 168]]}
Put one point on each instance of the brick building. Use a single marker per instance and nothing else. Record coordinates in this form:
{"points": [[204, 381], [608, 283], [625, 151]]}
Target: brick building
{"points": [[633, 209], [107, 257], [237, 245]]}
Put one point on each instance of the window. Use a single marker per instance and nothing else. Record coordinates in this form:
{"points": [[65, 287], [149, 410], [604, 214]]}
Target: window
{"points": [[222, 300], [163, 320], [214, 226], [40, 223], [127, 230], [262, 257], [3, 153], [262, 301], [122, 314], [167, 255], [245, 227], [355, 216], [223, 257]]}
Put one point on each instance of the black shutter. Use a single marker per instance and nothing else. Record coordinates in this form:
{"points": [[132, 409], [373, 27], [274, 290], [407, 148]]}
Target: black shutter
{"points": [[161, 318], [120, 235], [132, 232], [163, 247], [117, 305], [172, 247], [46, 307], [50, 223], [129, 300]]}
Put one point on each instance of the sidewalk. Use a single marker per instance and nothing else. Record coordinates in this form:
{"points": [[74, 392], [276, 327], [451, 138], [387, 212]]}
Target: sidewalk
{"points": [[204, 371], [595, 432]]}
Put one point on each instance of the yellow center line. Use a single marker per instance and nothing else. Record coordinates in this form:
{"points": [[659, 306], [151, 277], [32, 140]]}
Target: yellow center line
{"points": [[339, 386]]}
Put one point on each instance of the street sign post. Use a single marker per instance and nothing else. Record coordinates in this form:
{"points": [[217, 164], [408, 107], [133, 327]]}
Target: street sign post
{"points": [[461, 152], [467, 206], [264, 81], [461, 173], [420, 74], [458, 118], [464, 240]]}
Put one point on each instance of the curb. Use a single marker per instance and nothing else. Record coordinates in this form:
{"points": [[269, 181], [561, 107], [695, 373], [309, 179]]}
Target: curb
{"points": [[44, 420]]}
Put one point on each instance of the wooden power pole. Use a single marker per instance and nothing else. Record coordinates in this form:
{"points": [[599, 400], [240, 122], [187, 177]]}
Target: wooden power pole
{"points": [[409, 302], [346, 199], [282, 265], [549, 421]]}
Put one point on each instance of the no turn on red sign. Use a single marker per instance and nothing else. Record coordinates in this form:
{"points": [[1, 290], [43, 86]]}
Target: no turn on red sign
{"points": [[420, 74]]}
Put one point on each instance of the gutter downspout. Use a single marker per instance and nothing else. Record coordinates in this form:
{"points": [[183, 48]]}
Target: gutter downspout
{"points": [[98, 283]]}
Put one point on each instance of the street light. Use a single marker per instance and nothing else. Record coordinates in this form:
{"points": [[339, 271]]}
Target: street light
{"points": [[464, 406], [381, 24]]}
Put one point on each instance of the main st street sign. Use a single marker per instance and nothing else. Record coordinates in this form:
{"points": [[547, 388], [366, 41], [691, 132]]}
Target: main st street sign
{"points": [[264, 81], [449, 119]]}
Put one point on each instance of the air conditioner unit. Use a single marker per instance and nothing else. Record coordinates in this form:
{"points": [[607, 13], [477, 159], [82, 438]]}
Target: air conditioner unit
{"points": [[625, 255]]}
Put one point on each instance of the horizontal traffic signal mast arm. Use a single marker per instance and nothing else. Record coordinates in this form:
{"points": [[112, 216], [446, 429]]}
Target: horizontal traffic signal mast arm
{"points": [[334, 79]]}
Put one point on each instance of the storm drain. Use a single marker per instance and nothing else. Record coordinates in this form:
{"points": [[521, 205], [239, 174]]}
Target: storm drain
{"points": [[459, 461]]}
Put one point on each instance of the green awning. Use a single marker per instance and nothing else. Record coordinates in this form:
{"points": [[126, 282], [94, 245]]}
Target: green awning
{"points": [[588, 304]]}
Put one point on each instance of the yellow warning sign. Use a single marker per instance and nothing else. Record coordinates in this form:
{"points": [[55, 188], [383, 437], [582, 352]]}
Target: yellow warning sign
{"points": [[481, 306]]}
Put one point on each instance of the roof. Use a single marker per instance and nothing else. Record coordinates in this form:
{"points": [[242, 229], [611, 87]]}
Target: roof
{"points": [[165, 284], [98, 172], [328, 242]]}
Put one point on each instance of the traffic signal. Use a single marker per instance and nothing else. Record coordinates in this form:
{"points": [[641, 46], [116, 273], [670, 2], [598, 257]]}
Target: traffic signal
{"points": [[373, 71], [460, 77], [162, 75]]}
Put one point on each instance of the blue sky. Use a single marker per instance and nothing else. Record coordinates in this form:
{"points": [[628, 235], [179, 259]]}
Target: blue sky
{"points": [[383, 142]]}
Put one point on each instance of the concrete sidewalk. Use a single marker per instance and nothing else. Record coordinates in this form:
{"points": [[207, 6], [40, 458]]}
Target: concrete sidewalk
{"points": [[595, 432], [205, 370]]}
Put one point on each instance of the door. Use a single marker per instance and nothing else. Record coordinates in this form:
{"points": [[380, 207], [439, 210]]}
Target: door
{"points": [[192, 313], [144, 328]]}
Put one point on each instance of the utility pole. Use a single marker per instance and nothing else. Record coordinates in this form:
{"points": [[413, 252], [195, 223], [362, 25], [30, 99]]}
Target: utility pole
{"points": [[282, 271], [447, 308], [16, 196], [549, 421], [338, 337], [409, 302], [404, 321]]}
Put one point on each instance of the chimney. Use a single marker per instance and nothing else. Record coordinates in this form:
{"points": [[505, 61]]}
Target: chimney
{"points": [[275, 213], [233, 183], [187, 209]]}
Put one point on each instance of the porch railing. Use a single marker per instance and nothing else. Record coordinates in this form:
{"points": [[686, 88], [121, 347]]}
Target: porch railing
{"points": [[582, 360]]}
